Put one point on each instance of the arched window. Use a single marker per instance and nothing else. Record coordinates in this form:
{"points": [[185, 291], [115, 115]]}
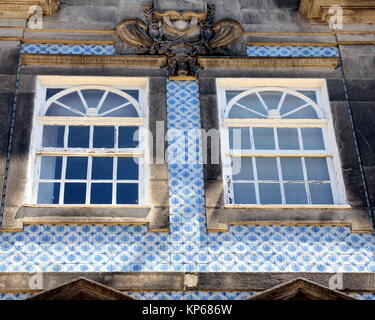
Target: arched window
{"points": [[277, 147], [87, 147]]}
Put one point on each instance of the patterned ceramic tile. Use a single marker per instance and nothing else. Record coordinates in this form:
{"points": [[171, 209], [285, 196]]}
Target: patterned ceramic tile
{"points": [[288, 51], [78, 49]]}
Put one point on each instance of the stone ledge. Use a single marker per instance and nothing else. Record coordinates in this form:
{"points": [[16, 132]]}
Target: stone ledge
{"points": [[180, 281]]}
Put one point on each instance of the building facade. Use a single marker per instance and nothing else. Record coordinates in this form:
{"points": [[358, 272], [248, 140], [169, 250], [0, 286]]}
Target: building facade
{"points": [[195, 150]]}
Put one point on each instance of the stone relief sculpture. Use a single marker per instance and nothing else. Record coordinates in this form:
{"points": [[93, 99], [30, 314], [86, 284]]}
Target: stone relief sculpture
{"points": [[181, 36]]}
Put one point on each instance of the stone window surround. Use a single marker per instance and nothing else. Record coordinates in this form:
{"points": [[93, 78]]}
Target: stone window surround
{"points": [[220, 216], [155, 215]]}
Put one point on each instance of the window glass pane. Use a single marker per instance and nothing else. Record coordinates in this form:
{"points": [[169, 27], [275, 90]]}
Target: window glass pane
{"points": [[295, 193], [101, 193], [242, 168], [76, 168], [271, 98], [307, 112], [75, 193], [53, 136], [309, 94], [244, 193], [127, 169], [48, 193], [237, 112], [269, 193], [104, 137], [78, 137], [264, 138], [128, 137], [267, 169], [239, 138], [231, 94], [57, 111], [102, 168], [127, 193], [117, 106], [317, 169], [50, 168], [74, 101], [92, 97], [132, 93], [288, 138], [52, 92], [291, 103], [321, 193], [291, 168], [252, 102], [312, 139]]}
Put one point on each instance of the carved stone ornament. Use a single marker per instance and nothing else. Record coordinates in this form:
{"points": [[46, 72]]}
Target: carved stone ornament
{"points": [[181, 36]]}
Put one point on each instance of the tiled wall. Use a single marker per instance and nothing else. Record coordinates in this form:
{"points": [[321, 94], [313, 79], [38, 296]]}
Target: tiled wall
{"points": [[187, 247], [289, 51]]}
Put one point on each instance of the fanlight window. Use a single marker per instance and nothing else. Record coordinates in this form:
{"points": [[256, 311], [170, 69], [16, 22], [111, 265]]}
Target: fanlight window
{"points": [[89, 149], [277, 149]]}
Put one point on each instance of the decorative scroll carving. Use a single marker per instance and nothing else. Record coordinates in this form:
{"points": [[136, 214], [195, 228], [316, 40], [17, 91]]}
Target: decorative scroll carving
{"points": [[181, 36]]}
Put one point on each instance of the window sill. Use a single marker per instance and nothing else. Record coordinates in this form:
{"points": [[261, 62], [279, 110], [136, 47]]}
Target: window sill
{"points": [[155, 217], [286, 206], [219, 219]]}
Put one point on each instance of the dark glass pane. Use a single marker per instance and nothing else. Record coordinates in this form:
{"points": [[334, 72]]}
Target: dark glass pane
{"points": [[104, 137], [53, 136], [52, 92], [75, 193], [269, 193], [288, 138], [74, 101], [112, 101], [271, 98], [102, 168], [78, 137], [321, 193], [127, 169], [309, 94], [132, 93], [127, 193], [291, 103], [101, 193], [312, 139], [317, 169], [128, 137], [242, 168], [264, 138], [92, 97], [267, 169], [292, 168], [231, 94], [50, 168], [57, 111], [239, 138], [76, 168], [252, 102], [244, 193], [295, 193], [48, 193], [305, 113]]}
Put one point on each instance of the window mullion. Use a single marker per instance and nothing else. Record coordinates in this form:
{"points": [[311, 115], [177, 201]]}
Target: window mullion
{"points": [[88, 183], [114, 184], [279, 171], [63, 176]]}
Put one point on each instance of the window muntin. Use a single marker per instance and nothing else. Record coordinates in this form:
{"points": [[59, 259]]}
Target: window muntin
{"points": [[277, 148], [89, 150]]}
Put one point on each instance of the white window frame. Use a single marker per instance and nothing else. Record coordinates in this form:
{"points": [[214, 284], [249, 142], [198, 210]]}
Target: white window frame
{"points": [[331, 150], [67, 82]]}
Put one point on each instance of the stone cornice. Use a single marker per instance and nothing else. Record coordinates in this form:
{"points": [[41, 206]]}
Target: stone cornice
{"points": [[19, 9], [354, 11], [179, 281]]}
